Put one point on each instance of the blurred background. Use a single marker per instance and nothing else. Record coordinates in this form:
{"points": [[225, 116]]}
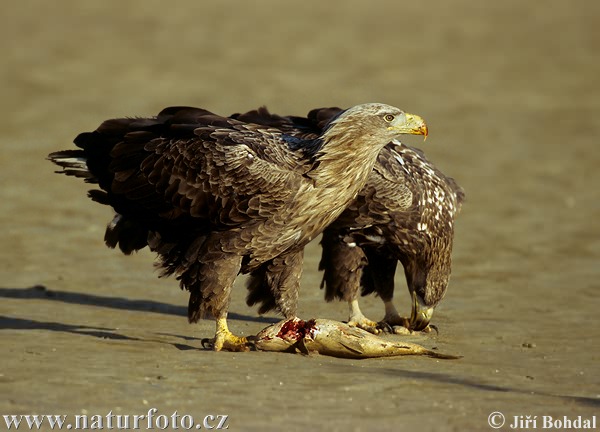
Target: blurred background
{"points": [[510, 91]]}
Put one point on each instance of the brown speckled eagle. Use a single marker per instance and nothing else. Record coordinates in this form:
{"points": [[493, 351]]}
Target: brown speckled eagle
{"points": [[405, 213], [215, 196]]}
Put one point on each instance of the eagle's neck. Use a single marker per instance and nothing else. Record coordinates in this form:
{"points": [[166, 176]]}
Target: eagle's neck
{"points": [[346, 156], [341, 168]]}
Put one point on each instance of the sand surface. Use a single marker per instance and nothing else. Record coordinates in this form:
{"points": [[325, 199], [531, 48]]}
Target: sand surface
{"points": [[511, 94]]}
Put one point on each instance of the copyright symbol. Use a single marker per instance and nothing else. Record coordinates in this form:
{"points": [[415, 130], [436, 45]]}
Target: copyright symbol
{"points": [[496, 419]]}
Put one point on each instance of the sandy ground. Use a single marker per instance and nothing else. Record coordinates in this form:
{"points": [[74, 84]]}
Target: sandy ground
{"points": [[510, 91]]}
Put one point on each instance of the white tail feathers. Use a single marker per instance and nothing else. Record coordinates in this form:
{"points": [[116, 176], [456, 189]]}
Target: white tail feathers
{"points": [[73, 163]]}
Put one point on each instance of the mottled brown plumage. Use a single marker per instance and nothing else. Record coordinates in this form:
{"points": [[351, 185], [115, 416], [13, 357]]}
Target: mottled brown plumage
{"points": [[215, 196], [405, 213]]}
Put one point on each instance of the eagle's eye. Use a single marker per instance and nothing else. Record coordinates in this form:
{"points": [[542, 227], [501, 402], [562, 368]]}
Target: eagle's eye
{"points": [[388, 117]]}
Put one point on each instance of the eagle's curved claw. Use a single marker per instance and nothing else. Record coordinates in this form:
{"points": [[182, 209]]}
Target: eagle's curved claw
{"points": [[208, 344], [385, 327], [430, 328]]}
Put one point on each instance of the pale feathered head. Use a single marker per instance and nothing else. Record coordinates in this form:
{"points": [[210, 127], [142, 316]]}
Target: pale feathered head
{"points": [[380, 122]]}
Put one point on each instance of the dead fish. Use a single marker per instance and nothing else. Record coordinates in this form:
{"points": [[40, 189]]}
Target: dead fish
{"points": [[334, 338]]}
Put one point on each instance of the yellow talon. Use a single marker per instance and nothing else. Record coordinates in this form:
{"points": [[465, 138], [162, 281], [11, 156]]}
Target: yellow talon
{"points": [[227, 341]]}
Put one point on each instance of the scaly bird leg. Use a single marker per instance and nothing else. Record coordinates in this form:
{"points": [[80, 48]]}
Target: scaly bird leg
{"points": [[357, 319], [225, 340]]}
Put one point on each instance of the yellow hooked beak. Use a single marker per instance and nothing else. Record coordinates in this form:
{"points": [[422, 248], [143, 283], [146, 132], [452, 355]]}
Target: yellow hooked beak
{"points": [[413, 125], [420, 315]]}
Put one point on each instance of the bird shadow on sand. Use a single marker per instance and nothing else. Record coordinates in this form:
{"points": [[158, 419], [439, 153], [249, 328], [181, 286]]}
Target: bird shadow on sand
{"points": [[13, 323], [41, 292], [38, 292]]}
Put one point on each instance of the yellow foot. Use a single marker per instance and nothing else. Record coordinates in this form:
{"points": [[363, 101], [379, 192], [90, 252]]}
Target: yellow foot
{"points": [[224, 340], [231, 342], [357, 319], [227, 341], [364, 323]]}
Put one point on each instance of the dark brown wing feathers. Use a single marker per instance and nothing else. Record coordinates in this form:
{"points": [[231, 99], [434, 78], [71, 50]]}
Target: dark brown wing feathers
{"points": [[184, 164]]}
